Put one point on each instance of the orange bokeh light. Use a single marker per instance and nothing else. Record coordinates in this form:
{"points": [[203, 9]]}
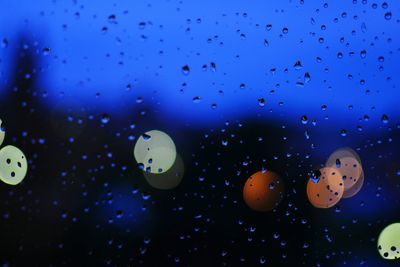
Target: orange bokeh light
{"points": [[328, 191], [263, 191]]}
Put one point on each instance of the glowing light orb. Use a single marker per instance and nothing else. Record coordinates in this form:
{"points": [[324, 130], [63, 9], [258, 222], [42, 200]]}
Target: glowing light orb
{"points": [[13, 165], [155, 152], [263, 191], [389, 242], [2, 134], [348, 163], [355, 188], [326, 191], [169, 179]]}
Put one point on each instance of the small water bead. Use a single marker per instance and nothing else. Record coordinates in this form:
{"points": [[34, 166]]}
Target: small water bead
{"points": [[186, 70], [119, 214], [271, 186], [304, 119], [4, 43], [297, 65], [363, 27], [338, 163], [196, 99], [142, 25], [112, 19], [105, 118], [141, 166], [315, 176], [307, 77], [385, 119], [46, 51], [213, 67], [146, 196], [307, 135], [146, 137]]}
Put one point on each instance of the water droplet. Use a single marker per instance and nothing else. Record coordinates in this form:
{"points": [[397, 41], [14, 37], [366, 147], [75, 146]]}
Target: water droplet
{"points": [[119, 214], [297, 65], [271, 186], [46, 51], [105, 118], [385, 118], [388, 15], [4, 43], [363, 53], [213, 67], [196, 99], [315, 176], [338, 163], [363, 27], [307, 77], [304, 119], [186, 70]]}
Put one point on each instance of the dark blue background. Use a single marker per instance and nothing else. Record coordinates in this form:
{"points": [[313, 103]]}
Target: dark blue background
{"points": [[66, 67]]}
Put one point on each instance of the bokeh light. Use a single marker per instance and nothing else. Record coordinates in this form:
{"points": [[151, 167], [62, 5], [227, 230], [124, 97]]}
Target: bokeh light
{"points": [[327, 190], [348, 163], [13, 165], [263, 191], [389, 242], [169, 179], [155, 152]]}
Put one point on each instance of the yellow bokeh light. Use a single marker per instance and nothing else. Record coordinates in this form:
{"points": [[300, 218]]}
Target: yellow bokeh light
{"points": [[169, 179], [13, 165], [155, 151], [389, 242]]}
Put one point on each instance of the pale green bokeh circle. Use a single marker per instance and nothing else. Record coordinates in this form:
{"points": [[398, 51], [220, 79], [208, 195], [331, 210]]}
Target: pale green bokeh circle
{"points": [[157, 152], [13, 165], [389, 242], [169, 179], [2, 134]]}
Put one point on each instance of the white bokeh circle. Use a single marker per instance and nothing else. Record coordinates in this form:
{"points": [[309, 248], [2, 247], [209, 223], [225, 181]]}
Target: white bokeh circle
{"points": [[13, 165], [155, 151]]}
